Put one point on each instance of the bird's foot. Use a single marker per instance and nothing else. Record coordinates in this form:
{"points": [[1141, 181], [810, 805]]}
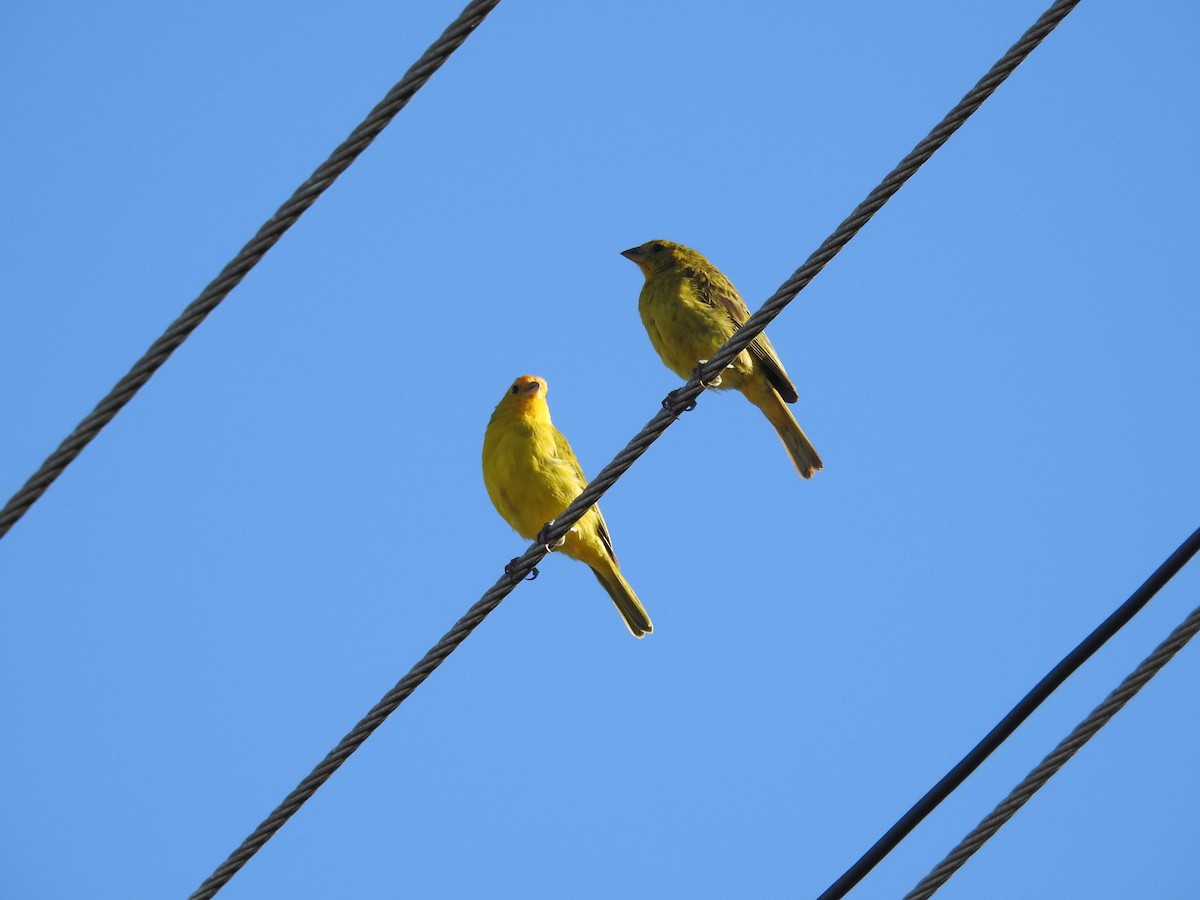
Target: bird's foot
{"points": [[716, 380], [513, 564], [544, 540], [672, 398]]}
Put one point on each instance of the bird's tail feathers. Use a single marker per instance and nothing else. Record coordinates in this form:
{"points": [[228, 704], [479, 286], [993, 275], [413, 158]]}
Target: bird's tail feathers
{"points": [[795, 441], [637, 620]]}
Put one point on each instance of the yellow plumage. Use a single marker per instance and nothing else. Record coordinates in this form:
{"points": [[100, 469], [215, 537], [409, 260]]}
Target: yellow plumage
{"points": [[690, 309], [532, 475]]}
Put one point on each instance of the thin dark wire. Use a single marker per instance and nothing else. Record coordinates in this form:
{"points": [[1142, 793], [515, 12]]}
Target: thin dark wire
{"points": [[889, 186], [1083, 732], [363, 730], [683, 398], [1019, 713], [247, 259], [678, 401]]}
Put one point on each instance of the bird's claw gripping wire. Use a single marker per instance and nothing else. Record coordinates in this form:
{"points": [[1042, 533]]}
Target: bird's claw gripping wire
{"points": [[511, 568], [672, 398], [716, 380], [545, 541]]}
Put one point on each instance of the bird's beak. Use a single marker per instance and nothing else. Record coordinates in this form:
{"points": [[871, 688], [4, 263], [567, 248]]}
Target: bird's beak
{"points": [[633, 253], [532, 387]]}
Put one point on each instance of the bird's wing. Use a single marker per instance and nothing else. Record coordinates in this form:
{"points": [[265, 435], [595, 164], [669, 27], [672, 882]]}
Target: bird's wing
{"points": [[718, 291], [567, 456], [605, 537]]}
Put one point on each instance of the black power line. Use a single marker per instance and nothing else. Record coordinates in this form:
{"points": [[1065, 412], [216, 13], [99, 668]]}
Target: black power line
{"points": [[1019, 713], [677, 402], [249, 256], [1067, 748]]}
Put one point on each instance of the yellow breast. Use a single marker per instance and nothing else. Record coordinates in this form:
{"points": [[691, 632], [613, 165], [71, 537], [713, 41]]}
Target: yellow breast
{"points": [[526, 480], [682, 328]]}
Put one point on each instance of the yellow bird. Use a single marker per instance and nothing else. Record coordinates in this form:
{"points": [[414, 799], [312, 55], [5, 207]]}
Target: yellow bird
{"points": [[690, 309], [532, 475]]}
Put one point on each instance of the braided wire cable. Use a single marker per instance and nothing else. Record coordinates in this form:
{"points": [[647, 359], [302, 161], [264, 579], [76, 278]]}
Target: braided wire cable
{"points": [[677, 402], [890, 185], [1067, 748], [246, 259], [1117, 620], [683, 398], [372, 720]]}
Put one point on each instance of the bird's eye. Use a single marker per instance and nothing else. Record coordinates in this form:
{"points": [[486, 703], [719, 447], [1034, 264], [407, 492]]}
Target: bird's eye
{"points": [[658, 248], [514, 389]]}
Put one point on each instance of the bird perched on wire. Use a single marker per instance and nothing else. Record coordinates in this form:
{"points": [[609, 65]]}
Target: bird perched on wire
{"points": [[532, 475], [690, 309]]}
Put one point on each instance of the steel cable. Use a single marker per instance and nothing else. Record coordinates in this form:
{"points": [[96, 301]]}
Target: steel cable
{"points": [[1119, 618], [247, 259], [677, 402], [1067, 748]]}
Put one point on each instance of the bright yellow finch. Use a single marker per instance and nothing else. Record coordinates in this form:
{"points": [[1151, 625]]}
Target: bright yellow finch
{"points": [[532, 476], [690, 309]]}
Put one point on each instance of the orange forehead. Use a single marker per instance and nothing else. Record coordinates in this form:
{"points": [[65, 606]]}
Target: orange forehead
{"points": [[521, 386]]}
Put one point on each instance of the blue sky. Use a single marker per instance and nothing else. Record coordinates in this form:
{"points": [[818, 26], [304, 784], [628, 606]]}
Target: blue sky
{"points": [[1000, 373]]}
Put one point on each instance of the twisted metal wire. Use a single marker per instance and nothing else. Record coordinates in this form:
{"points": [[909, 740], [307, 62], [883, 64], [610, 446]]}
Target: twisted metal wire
{"points": [[684, 398], [247, 259], [372, 720], [676, 403], [1117, 620], [891, 184], [1067, 748]]}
